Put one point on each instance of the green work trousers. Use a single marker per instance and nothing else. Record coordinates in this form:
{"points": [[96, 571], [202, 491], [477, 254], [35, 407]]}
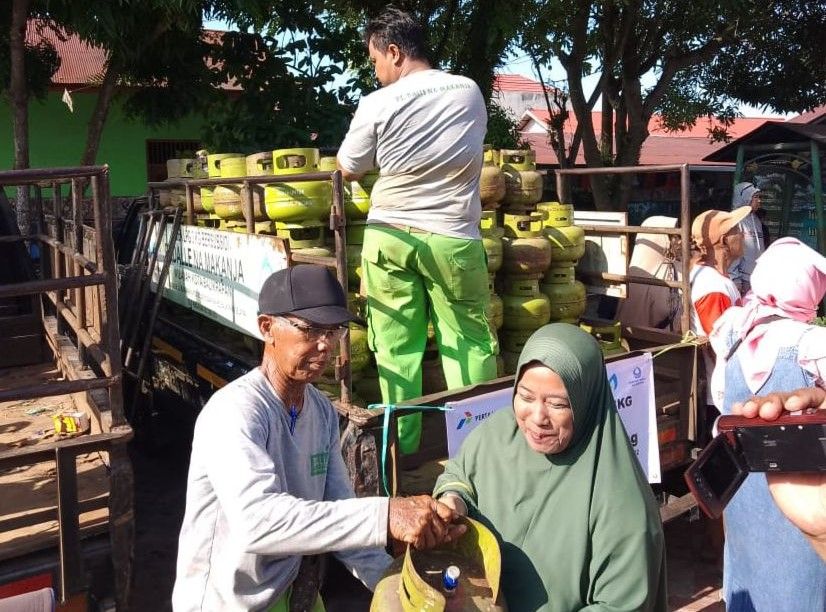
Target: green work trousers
{"points": [[283, 604], [411, 276]]}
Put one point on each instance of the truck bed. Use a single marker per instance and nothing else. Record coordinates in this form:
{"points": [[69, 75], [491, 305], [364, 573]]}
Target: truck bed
{"points": [[30, 491]]}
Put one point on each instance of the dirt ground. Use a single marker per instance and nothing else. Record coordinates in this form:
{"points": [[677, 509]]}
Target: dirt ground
{"points": [[160, 480]]}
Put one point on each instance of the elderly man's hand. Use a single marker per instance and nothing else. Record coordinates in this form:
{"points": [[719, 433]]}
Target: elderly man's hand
{"points": [[801, 497], [422, 522]]}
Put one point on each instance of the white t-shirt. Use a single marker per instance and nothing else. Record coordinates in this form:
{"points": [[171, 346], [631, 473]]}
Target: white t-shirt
{"points": [[706, 280], [260, 496], [753, 246], [425, 133]]}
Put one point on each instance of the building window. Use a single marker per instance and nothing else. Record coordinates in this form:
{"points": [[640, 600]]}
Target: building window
{"points": [[158, 151]]}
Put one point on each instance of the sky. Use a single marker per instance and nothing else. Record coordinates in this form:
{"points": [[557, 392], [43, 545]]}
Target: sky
{"points": [[521, 64]]}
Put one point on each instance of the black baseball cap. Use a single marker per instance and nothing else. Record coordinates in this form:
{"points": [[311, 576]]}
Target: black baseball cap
{"points": [[307, 291]]}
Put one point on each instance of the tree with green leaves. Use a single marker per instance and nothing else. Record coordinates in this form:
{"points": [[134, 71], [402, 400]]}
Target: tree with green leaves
{"points": [[622, 42]]}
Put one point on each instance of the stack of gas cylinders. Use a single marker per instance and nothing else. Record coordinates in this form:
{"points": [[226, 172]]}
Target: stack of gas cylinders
{"points": [[532, 248]]}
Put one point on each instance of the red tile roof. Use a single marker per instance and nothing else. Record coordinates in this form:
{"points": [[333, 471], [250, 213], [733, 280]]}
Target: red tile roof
{"points": [[80, 63], [655, 150], [742, 125], [661, 147], [516, 82], [816, 115]]}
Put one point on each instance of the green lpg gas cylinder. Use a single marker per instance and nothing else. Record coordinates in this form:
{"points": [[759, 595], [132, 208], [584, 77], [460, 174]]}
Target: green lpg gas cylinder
{"points": [[356, 193], [513, 340], [327, 163], [501, 370], [226, 199], [367, 385], [355, 231], [199, 171], [258, 164], [555, 214], [523, 184], [415, 581], [357, 304], [300, 200], [357, 197], [567, 242], [525, 250], [491, 180], [524, 306], [354, 264], [213, 168], [495, 310], [173, 172], [359, 353], [177, 169], [566, 295], [492, 240], [355, 240], [303, 235], [510, 360], [609, 336]]}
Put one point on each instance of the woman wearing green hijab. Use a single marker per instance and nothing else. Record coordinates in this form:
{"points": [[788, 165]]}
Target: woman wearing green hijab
{"points": [[558, 482]]}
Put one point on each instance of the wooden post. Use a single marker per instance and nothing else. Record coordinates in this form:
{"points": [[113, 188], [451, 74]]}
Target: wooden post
{"points": [[190, 204], [71, 561], [685, 247], [57, 257], [80, 292], [121, 528], [246, 201]]}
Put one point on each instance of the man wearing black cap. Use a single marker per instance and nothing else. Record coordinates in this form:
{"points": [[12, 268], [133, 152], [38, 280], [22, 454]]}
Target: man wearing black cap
{"points": [[267, 485]]}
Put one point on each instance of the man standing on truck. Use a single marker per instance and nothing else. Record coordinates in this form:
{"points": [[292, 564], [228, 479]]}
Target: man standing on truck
{"points": [[422, 257], [267, 490]]}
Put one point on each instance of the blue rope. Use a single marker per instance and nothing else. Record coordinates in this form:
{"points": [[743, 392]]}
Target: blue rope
{"points": [[388, 410]]}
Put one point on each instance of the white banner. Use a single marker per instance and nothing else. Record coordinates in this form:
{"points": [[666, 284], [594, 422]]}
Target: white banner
{"points": [[218, 274], [468, 413], [632, 384]]}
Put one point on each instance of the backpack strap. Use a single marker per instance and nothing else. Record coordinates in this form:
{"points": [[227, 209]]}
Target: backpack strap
{"points": [[739, 341]]}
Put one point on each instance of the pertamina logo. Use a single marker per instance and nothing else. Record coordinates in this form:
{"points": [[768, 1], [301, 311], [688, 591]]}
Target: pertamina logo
{"points": [[472, 418], [465, 421]]}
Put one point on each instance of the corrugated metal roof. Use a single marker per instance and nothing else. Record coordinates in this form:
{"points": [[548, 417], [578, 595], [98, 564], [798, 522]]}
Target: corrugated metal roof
{"points": [[771, 132]]}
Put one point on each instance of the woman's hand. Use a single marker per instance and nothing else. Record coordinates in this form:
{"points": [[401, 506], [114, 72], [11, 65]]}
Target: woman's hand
{"points": [[455, 503], [801, 497]]}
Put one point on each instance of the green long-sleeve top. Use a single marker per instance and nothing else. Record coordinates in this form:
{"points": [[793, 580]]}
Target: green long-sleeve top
{"points": [[578, 530]]}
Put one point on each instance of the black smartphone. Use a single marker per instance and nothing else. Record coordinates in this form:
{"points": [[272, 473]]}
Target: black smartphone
{"points": [[792, 443]]}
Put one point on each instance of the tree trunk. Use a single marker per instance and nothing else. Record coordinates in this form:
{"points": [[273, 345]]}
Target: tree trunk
{"points": [[607, 136], [98, 119], [19, 94]]}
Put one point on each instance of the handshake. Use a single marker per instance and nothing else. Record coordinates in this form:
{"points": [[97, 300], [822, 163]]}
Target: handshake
{"points": [[423, 522]]}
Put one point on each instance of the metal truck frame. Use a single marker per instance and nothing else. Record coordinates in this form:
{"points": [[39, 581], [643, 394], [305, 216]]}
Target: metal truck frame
{"points": [[78, 320]]}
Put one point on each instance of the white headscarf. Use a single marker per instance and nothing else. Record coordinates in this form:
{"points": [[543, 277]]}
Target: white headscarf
{"points": [[743, 193]]}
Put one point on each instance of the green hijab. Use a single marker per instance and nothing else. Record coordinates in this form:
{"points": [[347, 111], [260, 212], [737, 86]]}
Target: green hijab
{"points": [[580, 529]]}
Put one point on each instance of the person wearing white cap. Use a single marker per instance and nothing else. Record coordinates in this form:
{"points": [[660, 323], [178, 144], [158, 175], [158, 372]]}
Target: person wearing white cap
{"points": [[754, 243]]}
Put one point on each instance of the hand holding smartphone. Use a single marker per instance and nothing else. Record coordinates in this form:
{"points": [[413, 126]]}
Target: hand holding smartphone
{"points": [[791, 443]]}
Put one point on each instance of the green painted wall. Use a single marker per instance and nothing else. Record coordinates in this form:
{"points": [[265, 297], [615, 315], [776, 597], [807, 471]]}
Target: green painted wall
{"points": [[57, 137]]}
